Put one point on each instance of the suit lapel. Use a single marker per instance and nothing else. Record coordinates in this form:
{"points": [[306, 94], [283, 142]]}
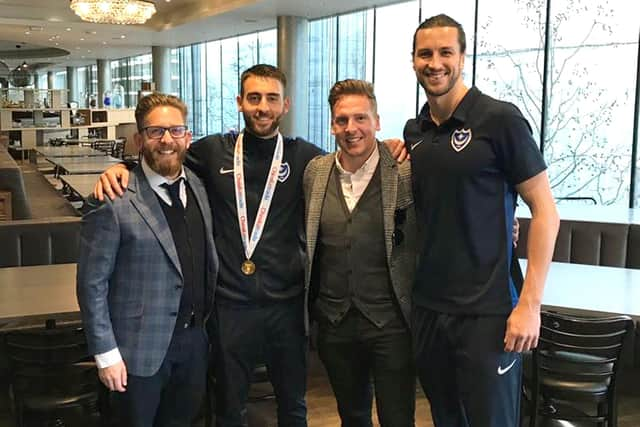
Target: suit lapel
{"points": [[389, 183], [201, 195], [318, 191], [147, 204]]}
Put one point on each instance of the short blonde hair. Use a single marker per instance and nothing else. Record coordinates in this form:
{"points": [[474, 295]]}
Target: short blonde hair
{"points": [[352, 87], [157, 99]]}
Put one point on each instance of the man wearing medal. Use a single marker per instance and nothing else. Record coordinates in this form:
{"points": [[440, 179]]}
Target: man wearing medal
{"points": [[254, 184]]}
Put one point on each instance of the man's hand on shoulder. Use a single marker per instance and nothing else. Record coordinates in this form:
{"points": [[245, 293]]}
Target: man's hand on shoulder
{"points": [[114, 377], [112, 181], [397, 148]]}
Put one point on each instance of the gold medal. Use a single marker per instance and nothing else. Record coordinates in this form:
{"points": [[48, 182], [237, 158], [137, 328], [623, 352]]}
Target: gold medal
{"points": [[248, 267]]}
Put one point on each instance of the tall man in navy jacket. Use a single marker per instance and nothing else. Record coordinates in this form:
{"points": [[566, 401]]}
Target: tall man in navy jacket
{"points": [[147, 276]]}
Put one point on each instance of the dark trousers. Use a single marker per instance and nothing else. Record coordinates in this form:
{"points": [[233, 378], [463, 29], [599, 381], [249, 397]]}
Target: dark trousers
{"points": [[173, 395], [467, 376], [355, 351], [273, 334]]}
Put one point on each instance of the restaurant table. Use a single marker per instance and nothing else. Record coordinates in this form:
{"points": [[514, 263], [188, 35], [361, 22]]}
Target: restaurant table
{"points": [[591, 290], [69, 151], [591, 213], [83, 165], [29, 296], [81, 185]]}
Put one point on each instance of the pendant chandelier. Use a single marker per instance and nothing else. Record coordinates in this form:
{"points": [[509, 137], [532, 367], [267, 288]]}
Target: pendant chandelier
{"points": [[114, 11]]}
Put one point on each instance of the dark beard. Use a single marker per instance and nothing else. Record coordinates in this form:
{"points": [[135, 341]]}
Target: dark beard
{"points": [[250, 125], [166, 169]]}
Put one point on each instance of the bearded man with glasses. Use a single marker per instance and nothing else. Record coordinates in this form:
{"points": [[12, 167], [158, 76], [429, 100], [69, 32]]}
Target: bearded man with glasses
{"points": [[147, 275]]}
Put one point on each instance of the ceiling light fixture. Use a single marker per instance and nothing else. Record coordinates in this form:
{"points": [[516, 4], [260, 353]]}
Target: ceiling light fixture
{"points": [[121, 12]]}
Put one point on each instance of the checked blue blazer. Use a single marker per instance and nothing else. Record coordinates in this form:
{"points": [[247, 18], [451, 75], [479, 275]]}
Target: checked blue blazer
{"points": [[129, 279]]}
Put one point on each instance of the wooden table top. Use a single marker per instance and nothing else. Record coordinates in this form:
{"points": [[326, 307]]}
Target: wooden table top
{"points": [[84, 165], [81, 184], [590, 213], [70, 151], [29, 295]]}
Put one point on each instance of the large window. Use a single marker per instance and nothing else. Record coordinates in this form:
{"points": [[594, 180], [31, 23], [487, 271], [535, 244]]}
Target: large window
{"points": [[209, 77], [339, 48], [214, 87], [394, 80], [267, 47], [60, 80], [584, 125], [510, 68], [322, 74], [130, 73], [593, 57]]}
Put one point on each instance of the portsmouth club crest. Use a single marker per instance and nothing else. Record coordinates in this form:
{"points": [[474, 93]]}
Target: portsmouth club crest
{"points": [[284, 172], [460, 138]]}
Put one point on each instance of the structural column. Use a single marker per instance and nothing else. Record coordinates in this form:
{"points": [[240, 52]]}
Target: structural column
{"points": [[293, 59], [72, 85], [104, 79], [51, 79], [161, 63]]}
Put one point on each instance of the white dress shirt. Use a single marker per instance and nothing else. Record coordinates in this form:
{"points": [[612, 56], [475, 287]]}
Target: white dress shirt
{"points": [[113, 356], [355, 183]]}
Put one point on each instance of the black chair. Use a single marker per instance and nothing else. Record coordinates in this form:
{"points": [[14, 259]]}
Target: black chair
{"points": [[53, 381], [104, 145], [117, 149], [574, 370]]}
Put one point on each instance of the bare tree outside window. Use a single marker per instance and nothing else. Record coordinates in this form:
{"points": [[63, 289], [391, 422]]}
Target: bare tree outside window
{"points": [[589, 119]]}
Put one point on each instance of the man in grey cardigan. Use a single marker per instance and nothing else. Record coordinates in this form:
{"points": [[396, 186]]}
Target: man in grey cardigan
{"points": [[360, 225]]}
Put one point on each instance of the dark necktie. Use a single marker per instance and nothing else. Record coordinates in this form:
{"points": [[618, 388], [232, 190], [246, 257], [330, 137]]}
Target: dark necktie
{"points": [[174, 193]]}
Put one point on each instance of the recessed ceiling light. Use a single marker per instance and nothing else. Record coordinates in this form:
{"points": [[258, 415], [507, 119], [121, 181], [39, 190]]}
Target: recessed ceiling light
{"points": [[57, 44], [81, 39], [88, 50], [27, 32], [122, 36]]}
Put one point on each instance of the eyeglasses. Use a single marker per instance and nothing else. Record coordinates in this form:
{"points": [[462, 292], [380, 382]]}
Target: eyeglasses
{"points": [[157, 132]]}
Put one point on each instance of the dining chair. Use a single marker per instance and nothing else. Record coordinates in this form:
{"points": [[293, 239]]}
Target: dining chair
{"points": [[574, 370], [53, 380]]}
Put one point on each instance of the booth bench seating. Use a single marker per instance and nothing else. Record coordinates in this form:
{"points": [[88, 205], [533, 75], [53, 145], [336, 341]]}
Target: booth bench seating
{"points": [[13, 196], [39, 241], [593, 243]]}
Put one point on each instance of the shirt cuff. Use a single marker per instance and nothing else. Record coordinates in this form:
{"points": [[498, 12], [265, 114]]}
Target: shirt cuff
{"points": [[110, 358]]}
